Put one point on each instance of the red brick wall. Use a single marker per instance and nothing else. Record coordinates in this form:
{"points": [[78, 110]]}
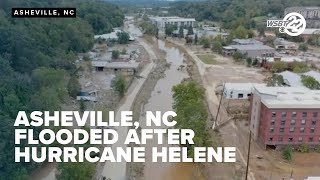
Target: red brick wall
{"points": [[265, 125]]}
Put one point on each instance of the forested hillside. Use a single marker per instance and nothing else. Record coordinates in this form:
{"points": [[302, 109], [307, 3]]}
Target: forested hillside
{"points": [[37, 66], [234, 12]]}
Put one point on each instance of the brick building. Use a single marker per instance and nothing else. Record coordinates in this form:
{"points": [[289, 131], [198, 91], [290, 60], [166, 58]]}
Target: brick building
{"points": [[285, 116]]}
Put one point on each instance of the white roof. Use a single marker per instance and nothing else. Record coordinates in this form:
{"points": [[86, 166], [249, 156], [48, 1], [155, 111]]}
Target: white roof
{"points": [[241, 86], [286, 59], [289, 97], [292, 79], [172, 19], [119, 65], [311, 31], [313, 178], [112, 35]]}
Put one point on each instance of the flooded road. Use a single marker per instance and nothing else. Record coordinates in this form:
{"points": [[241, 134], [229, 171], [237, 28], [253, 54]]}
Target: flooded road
{"points": [[161, 100]]}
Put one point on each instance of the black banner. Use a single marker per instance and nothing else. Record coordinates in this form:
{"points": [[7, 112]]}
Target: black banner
{"points": [[43, 12]]}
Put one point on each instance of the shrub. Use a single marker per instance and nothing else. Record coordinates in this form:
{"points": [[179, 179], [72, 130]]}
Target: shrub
{"points": [[287, 153], [303, 148]]}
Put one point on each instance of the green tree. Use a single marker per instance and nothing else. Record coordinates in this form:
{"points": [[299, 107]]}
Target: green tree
{"points": [[278, 66], [169, 29], [189, 103], [196, 39], [275, 80], [115, 54], [123, 37], [205, 42], [180, 35], [120, 84], [237, 56], [310, 82], [73, 87], [249, 61], [287, 153], [190, 30], [303, 47], [303, 148], [217, 46], [76, 170], [299, 67], [240, 32]]}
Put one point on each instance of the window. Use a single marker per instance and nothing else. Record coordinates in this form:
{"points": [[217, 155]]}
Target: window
{"points": [[271, 139], [280, 139], [294, 114], [290, 139], [283, 122], [293, 122], [272, 122], [311, 130], [274, 114], [281, 130], [314, 122], [302, 130], [315, 114], [283, 114], [300, 139], [292, 129], [240, 95], [304, 114], [271, 130], [310, 139], [303, 122]]}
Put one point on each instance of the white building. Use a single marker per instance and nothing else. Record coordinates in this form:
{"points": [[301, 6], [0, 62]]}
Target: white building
{"points": [[239, 90], [161, 22]]}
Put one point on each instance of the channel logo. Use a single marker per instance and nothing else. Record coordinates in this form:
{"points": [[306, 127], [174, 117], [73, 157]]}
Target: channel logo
{"points": [[292, 24]]}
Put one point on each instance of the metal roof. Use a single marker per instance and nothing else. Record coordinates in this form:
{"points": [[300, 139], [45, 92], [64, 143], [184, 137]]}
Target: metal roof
{"points": [[115, 65], [292, 79], [252, 47]]}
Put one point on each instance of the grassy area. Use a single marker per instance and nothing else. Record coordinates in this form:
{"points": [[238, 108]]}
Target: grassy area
{"points": [[208, 58]]}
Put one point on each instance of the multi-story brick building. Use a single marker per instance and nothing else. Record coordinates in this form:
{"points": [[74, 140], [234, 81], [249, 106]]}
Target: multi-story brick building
{"points": [[285, 116]]}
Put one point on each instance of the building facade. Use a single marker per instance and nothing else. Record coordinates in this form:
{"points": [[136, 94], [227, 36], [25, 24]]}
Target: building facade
{"points": [[306, 12], [161, 22], [285, 116]]}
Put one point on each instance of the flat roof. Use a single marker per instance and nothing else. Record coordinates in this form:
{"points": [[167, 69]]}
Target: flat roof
{"points": [[286, 59], [242, 86], [251, 47], [310, 31], [114, 65], [293, 79], [289, 97], [247, 41]]}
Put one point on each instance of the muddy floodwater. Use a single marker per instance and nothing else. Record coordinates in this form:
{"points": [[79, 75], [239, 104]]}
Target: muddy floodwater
{"points": [[161, 100]]}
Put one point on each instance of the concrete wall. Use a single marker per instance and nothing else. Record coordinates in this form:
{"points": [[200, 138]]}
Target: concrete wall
{"points": [[236, 94]]}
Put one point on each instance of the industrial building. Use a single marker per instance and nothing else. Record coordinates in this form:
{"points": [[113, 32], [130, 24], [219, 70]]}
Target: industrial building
{"points": [[285, 116], [127, 68], [252, 50], [161, 22], [239, 90]]}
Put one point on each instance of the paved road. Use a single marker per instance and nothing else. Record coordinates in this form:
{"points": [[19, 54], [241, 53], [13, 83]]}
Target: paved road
{"points": [[117, 171]]}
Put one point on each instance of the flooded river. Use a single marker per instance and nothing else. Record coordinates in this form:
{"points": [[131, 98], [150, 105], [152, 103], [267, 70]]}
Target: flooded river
{"points": [[161, 100]]}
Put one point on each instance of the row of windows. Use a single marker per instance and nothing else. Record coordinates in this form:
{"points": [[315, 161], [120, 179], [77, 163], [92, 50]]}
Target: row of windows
{"points": [[293, 122], [292, 130], [294, 114], [291, 139]]}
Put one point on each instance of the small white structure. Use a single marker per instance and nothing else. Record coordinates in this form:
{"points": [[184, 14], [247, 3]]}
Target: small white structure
{"points": [[312, 178], [239, 90], [280, 43], [161, 22]]}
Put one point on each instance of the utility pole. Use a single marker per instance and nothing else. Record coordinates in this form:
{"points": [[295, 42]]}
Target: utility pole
{"points": [[215, 121], [248, 157]]}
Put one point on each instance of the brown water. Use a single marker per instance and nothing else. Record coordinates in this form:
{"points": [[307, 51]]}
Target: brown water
{"points": [[161, 100]]}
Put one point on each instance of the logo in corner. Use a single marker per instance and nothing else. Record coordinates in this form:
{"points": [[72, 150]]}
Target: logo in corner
{"points": [[292, 24]]}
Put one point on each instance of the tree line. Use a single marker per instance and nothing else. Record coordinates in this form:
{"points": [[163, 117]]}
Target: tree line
{"points": [[37, 64]]}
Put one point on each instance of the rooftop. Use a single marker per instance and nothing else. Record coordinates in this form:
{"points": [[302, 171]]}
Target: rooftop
{"points": [[246, 41], [281, 41], [242, 86], [172, 18], [288, 97], [311, 31], [115, 65], [252, 47], [294, 79], [285, 59]]}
